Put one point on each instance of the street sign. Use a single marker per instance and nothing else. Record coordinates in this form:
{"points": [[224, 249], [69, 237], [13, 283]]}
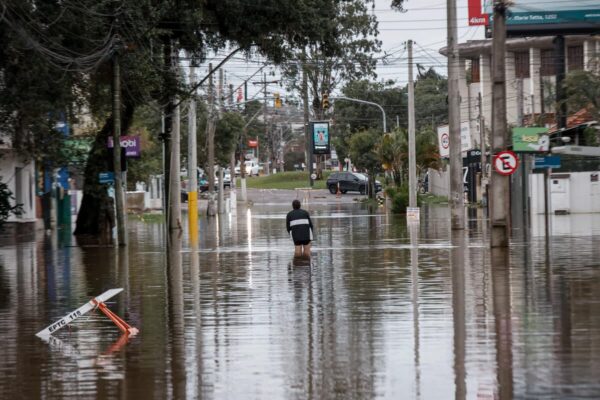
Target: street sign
{"points": [[313, 176], [547, 162], [106, 177], [506, 162], [73, 315], [413, 214]]}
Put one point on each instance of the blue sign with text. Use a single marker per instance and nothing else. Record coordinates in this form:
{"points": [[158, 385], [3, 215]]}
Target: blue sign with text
{"points": [[106, 177], [547, 162]]}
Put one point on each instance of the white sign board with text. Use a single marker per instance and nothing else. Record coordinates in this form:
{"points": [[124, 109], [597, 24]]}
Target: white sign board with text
{"points": [[444, 139]]}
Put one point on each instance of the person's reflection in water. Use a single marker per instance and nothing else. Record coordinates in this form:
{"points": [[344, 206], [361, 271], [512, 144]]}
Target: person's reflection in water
{"points": [[299, 274]]}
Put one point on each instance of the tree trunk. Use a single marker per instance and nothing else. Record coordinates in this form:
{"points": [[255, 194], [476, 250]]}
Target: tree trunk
{"points": [[96, 217], [371, 188]]}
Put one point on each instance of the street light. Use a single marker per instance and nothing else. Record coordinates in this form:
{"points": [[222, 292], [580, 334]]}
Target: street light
{"points": [[365, 102]]}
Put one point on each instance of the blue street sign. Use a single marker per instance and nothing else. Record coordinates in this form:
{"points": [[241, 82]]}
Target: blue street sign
{"points": [[547, 162], [106, 177]]}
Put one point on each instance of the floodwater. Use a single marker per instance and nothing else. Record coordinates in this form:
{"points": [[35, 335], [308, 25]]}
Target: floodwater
{"points": [[381, 311]]}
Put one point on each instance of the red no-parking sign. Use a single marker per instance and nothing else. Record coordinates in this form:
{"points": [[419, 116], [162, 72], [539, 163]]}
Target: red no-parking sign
{"points": [[506, 162]]}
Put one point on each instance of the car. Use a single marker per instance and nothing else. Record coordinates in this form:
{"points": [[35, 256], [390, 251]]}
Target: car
{"points": [[251, 168], [226, 179], [350, 182]]}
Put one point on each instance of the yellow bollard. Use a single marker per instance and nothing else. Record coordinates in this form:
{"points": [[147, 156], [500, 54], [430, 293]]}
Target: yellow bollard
{"points": [[193, 215]]}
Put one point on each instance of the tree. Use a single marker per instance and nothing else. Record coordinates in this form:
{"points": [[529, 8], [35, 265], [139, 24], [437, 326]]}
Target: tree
{"points": [[393, 151], [431, 99], [7, 206], [351, 117], [363, 150], [348, 58], [583, 92]]}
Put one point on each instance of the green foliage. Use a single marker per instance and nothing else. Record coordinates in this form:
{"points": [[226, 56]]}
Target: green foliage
{"points": [[583, 92], [431, 105], [349, 57], [227, 136], [6, 203], [146, 124], [363, 150], [400, 198]]}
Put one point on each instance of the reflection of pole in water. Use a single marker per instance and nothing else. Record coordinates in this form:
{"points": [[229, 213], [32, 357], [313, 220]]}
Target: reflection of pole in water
{"points": [[458, 307], [194, 361], [502, 318], [414, 272], [175, 308]]}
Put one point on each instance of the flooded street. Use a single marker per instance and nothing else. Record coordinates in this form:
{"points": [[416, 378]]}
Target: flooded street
{"points": [[381, 311]]}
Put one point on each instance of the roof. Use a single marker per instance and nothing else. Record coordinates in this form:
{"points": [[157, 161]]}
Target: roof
{"points": [[475, 48], [581, 117]]}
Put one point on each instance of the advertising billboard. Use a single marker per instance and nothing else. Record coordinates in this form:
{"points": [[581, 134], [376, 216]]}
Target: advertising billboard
{"points": [[530, 140], [320, 137], [131, 144], [476, 15], [545, 17]]}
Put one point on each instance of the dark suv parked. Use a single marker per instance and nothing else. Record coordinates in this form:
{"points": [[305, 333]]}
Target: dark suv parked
{"points": [[349, 182]]}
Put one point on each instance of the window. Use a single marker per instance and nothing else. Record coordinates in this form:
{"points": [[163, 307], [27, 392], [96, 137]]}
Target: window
{"points": [[547, 67], [575, 57], [522, 64], [475, 74]]}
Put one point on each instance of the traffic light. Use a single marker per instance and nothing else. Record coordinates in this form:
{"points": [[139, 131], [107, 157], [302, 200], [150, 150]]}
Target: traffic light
{"points": [[325, 101], [277, 100]]}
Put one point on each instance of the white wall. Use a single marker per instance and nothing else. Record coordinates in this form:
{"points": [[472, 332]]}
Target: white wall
{"points": [[584, 195], [439, 182], [20, 178]]}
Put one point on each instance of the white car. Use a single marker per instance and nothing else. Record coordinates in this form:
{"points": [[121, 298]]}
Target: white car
{"points": [[251, 168]]}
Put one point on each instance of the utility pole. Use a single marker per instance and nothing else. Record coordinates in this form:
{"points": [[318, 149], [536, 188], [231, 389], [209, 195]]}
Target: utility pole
{"points": [[220, 198], [192, 161], [119, 195], [412, 153], [266, 124], [499, 193], [175, 180], [457, 201], [210, 137], [166, 137], [307, 133], [483, 146]]}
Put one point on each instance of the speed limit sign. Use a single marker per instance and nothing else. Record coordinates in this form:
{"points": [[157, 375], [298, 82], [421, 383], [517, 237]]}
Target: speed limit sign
{"points": [[506, 162]]}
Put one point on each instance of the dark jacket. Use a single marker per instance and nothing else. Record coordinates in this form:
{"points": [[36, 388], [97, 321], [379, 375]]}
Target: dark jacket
{"points": [[299, 225]]}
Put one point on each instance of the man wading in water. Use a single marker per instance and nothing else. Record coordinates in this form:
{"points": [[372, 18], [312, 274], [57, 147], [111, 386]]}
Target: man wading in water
{"points": [[300, 227]]}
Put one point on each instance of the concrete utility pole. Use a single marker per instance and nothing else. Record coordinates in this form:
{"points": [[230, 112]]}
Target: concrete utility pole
{"points": [[266, 170], [457, 202], [483, 145], [307, 133], [192, 161], [210, 137], [412, 153], [119, 195], [499, 193], [220, 198], [175, 180]]}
